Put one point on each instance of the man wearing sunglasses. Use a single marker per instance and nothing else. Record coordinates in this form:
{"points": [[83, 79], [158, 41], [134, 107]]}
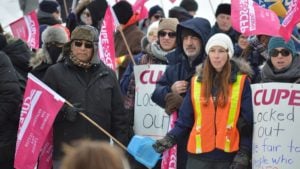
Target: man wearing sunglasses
{"points": [[92, 88], [283, 64]]}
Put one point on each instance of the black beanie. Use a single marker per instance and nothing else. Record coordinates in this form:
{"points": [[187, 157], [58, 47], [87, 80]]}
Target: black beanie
{"points": [[3, 41], [224, 8], [156, 10], [123, 11], [97, 9], [49, 6], [189, 5]]}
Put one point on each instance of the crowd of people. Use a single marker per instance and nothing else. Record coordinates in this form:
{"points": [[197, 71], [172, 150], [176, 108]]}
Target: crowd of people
{"points": [[207, 66]]}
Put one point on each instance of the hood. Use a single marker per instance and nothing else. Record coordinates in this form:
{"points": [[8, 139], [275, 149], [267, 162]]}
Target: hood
{"points": [[200, 26], [239, 65]]}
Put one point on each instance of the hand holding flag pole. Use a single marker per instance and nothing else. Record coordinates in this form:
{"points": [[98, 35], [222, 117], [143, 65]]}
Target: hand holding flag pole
{"points": [[99, 127]]}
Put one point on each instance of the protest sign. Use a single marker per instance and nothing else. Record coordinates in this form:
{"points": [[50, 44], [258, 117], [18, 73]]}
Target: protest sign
{"points": [[276, 142], [149, 119]]}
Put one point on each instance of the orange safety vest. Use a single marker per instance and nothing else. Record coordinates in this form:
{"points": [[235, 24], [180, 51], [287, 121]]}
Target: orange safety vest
{"points": [[215, 128]]}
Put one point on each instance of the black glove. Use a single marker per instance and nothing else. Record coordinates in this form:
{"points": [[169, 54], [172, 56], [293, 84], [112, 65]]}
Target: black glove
{"points": [[241, 160], [70, 113], [163, 144], [173, 102]]}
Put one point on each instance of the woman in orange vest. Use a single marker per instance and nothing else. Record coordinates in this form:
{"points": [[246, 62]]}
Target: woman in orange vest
{"points": [[217, 112]]}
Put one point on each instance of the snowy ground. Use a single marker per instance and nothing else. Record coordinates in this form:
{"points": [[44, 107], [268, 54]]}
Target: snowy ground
{"points": [[10, 11]]}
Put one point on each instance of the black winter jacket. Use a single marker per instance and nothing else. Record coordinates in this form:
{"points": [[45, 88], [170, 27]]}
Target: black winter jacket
{"points": [[98, 92]]}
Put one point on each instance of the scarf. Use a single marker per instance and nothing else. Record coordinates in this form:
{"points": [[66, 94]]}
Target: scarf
{"points": [[80, 63]]}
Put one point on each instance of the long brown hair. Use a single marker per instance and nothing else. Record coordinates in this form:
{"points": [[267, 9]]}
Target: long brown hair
{"points": [[88, 154], [209, 74]]}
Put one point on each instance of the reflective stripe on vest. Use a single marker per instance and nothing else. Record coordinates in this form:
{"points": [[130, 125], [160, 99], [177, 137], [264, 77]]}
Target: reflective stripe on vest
{"points": [[211, 131]]}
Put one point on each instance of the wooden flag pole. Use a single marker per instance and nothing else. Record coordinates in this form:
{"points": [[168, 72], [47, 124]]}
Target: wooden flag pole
{"points": [[126, 44], [99, 127]]}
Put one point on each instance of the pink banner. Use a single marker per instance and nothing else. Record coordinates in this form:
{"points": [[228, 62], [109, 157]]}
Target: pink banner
{"points": [[39, 109], [27, 29], [139, 7], [248, 18], [106, 40], [45, 158], [169, 158], [291, 19]]}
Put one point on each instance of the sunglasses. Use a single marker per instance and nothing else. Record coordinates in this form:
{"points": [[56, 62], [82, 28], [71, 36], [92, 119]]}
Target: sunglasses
{"points": [[87, 14], [87, 45], [283, 52], [170, 34]]}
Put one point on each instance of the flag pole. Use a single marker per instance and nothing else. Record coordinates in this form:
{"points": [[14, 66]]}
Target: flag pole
{"points": [[212, 8], [126, 44], [99, 127], [66, 10]]}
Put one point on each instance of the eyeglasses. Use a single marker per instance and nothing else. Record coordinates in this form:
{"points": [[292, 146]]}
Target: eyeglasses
{"points": [[157, 16], [87, 45], [170, 34], [275, 52]]}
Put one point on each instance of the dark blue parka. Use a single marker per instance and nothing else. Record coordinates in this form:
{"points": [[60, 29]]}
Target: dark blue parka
{"points": [[182, 70]]}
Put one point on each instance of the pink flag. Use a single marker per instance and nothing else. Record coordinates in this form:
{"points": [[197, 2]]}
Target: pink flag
{"points": [[140, 8], [106, 40], [169, 158], [39, 109], [248, 18], [291, 19], [27, 29], [172, 1]]}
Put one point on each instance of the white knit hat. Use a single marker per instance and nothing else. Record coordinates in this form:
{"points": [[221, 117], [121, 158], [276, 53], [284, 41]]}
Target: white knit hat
{"points": [[220, 39]]}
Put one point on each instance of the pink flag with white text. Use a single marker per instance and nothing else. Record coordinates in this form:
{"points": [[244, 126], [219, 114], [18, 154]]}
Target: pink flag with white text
{"points": [[169, 158], [139, 7], [106, 39], [27, 29], [248, 18], [291, 19], [39, 109]]}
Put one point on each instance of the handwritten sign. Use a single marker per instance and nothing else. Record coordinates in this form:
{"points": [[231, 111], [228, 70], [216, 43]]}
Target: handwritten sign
{"points": [[276, 142], [149, 119]]}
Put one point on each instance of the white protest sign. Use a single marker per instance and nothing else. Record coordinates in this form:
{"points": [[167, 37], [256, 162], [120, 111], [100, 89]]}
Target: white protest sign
{"points": [[276, 139], [149, 119]]}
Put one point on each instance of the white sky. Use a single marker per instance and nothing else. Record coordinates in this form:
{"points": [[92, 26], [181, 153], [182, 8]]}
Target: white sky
{"points": [[10, 11]]}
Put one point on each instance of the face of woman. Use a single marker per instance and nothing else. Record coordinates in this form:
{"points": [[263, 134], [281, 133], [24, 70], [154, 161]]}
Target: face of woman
{"points": [[280, 58], [218, 57]]}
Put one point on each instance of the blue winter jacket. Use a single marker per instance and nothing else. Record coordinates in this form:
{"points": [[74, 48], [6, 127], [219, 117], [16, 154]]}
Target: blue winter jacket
{"points": [[181, 70]]}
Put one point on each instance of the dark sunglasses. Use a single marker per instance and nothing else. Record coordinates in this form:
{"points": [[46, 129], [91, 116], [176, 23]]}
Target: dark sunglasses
{"points": [[87, 45], [87, 14], [170, 34], [275, 52], [157, 16]]}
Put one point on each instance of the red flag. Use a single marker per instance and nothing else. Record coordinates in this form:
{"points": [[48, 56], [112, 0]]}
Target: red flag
{"points": [[139, 7], [249, 18], [27, 29], [291, 19], [39, 109], [106, 40]]}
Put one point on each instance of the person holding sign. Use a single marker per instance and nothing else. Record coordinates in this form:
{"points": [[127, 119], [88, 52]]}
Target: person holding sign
{"points": [[217, 111], [283, 64]]}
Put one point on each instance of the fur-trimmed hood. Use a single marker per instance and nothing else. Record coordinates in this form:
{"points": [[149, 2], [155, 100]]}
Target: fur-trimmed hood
{"points": [[239, 65], [51, 34]]}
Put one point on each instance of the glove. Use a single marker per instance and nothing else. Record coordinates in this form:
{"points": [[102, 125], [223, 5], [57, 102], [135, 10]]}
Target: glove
{"points": [[258, 46], [173, 102], [70, 113], [163, 144], [241, 160]]}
